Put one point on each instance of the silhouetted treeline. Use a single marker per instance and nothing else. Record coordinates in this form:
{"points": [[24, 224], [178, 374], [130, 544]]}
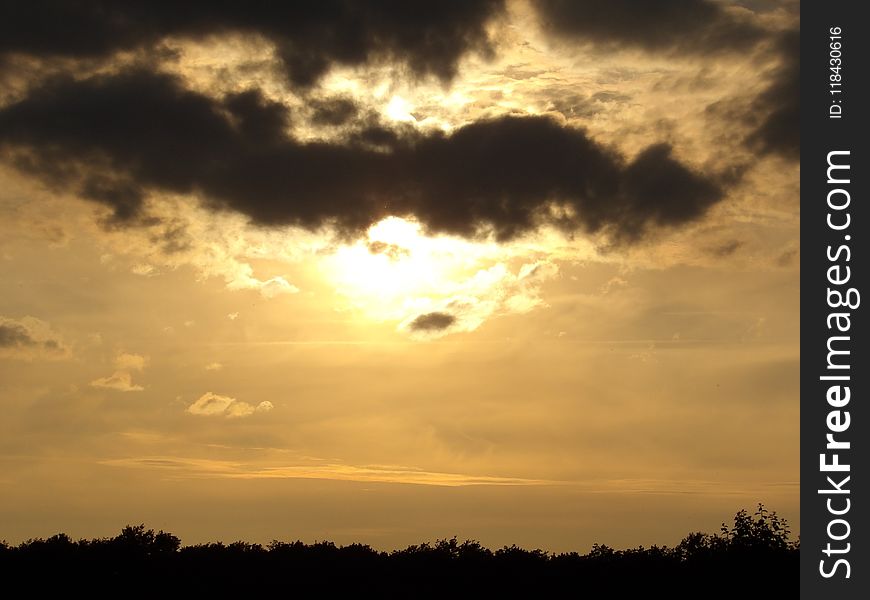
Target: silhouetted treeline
{"points": [[753, 558]]}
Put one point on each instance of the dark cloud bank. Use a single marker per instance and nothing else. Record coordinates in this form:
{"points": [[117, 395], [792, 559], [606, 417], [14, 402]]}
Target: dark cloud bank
{"points": [[780, 104], [310, 36], [693, 27], [120, 137], [117, 138], [686, 26]]}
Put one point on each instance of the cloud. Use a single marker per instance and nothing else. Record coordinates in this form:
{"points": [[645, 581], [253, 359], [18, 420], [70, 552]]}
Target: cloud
{"points": [[199, 467], [29, 338], [505, 175], [725, 249], [271, 288], [238, 409], [309, 37], [144, 270], [613, 284], [786, 258], [211, 404], [215, 366], [333, 111], [130, 362], [120, 381], [434, 321], [490, 292], [771, 118], [780, 104], [14, 335], [686, 26]]}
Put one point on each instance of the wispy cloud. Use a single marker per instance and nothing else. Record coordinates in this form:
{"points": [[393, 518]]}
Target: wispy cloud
{"points": [[313, 468], [194, 467]]}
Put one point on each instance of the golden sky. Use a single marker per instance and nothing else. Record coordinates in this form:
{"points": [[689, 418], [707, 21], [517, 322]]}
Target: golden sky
{"points": [[516, 272]]}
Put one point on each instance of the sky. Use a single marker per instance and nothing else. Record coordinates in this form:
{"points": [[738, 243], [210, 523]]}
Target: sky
{"points": [[523, 272]]}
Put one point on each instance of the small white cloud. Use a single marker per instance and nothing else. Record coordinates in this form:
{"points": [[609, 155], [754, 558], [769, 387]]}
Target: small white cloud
{"points": [[211, 404], [270, 288], [613, 284], [233, 316], [143, 269], [239, 409], [215, 366], [120, 381], [276, 287], [126, 361]]}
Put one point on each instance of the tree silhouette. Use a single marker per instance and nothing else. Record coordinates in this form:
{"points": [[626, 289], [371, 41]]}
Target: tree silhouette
{"points": [[752, 558], [766, 531]]}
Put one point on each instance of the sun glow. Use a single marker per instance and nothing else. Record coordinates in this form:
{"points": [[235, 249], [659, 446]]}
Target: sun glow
{"points": [[397, 264], [400, 109], [399, 273]]}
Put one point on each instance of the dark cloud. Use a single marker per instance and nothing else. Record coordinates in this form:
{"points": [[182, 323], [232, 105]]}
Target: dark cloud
{"points": [[725, 249], [28, 337], [434, 321], [310, 36], [770, 120], [693, 26], [173, 237], [780, 104], [115, 139], [514, 173], [13, 335], [787, 258], [333, 111]]}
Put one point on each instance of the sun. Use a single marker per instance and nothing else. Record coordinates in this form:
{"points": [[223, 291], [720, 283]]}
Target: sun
{"points": [[394, 264], [397, 272], [397, 269]]}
